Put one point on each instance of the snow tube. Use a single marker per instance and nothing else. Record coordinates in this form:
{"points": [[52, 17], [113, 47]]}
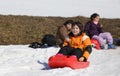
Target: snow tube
{"points": [[95, 44], [60, 61]]}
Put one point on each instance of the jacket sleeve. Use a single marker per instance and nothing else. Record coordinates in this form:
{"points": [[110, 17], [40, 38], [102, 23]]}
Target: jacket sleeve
{"points": [[87, 47], [65, 43], [100, 28], [63, 32], [87, 29]]}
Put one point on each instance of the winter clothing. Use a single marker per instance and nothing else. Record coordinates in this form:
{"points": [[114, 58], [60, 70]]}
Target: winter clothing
{"points": [[62, 34], [96, 32], [92, 29], [68, 50], [77, 45], [102, 36], [111, 46], [102, 47], [49, 39], [35, 45]]}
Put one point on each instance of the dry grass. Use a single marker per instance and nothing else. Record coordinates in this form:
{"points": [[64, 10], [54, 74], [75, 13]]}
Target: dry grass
{"points": [[26, 29]]}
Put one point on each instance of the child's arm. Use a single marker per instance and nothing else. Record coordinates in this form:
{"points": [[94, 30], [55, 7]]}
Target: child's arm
{"points": [[63, 32], [87, 48], [87, 52], [101, 28], [65, 43], [87, 28]]}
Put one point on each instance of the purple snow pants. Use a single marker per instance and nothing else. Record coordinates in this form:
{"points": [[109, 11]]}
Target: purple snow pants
{"points": [[106, 35]]}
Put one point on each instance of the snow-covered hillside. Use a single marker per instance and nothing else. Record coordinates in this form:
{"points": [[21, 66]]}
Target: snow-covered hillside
{"points": [[20, 60]]}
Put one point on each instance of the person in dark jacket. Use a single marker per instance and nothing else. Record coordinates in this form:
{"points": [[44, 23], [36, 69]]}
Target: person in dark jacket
{"points": [[94, 30], [63, 31]]}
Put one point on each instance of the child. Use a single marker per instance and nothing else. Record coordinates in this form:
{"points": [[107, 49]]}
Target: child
{"points": [[63, 31], [79, 43], [94, 29]]}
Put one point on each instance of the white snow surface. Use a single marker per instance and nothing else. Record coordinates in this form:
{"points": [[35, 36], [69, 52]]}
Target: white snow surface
{"points": [[20, 60]]}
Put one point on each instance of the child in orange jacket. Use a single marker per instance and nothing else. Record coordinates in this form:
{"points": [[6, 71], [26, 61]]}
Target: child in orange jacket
{"points": [[79, 43]]}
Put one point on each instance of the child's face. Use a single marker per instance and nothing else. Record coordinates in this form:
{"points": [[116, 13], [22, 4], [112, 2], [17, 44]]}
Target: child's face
{"points": [[69, 26], [96, 19], [75, 30]]}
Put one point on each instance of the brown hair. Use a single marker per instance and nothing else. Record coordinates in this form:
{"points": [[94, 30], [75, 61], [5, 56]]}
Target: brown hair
{"points": [[68, 22], [94, 15], [80, 26]]}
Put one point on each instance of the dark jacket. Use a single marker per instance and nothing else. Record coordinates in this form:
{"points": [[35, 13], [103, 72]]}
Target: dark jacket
{"points": [[92, 29]]}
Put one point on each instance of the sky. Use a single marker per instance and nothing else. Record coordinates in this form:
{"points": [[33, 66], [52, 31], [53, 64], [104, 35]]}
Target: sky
{"points": [[63, 8]]}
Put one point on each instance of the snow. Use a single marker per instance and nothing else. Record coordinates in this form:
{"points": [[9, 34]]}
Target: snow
{"points": [[64, 8], [20, 60]]}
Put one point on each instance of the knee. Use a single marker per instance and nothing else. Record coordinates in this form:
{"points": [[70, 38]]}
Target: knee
{"points": [[108, 33], [95, 37], [78, 52], [78, 49], [65, 47]]}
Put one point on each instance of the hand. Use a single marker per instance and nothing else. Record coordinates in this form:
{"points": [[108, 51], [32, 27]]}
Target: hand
{"points": [[67, 39], [101, 25], [81, 59]]}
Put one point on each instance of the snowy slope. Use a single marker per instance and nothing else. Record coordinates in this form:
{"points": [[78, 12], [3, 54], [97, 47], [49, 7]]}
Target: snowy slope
{"points": [[20, 60]]}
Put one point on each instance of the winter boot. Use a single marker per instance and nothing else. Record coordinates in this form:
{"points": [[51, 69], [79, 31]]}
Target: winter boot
{"points": [[102, 47], [111, 46]]}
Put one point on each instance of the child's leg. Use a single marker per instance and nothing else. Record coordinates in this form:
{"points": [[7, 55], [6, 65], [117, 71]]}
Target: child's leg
{"points": [[109, 39], [77, 52], [66, 50], [100, 39], [107, 36]]}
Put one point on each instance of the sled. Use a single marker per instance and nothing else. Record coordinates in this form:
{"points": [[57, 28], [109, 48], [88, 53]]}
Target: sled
{"points": [[60, 61], [95, 44]]}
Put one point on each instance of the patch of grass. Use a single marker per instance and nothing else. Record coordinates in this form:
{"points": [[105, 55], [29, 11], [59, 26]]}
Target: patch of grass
{"points": [[27, 29]]}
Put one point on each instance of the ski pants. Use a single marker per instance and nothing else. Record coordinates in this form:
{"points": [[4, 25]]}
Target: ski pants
{"points": [[106, 35], [68, 51]]}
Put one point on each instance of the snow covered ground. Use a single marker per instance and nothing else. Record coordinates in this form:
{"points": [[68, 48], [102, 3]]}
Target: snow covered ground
{"points": [[20, 60]]}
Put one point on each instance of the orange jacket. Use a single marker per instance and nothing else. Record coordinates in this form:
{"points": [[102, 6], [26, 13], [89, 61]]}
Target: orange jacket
{"points": [[81, 42]]}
